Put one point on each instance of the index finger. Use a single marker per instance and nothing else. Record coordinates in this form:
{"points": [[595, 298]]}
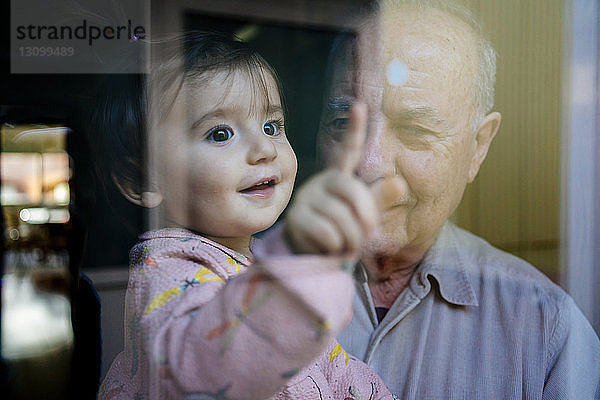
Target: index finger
{"points": [[354, 139]]}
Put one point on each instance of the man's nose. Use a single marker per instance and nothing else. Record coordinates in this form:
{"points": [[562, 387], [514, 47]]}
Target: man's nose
{"points": [[261, 149], [377, 161]]}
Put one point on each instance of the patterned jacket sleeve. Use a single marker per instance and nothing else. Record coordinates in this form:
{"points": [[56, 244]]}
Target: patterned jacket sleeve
{"points": [[345, 375]]}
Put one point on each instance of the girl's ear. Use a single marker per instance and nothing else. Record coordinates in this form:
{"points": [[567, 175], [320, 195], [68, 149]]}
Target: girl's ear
{"points": [[144, 199]]}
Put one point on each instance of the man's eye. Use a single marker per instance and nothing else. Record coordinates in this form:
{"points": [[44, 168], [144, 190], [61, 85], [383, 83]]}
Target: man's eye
{"points": [[220, 134], [412, 130], [272, 128], [339, 124]]}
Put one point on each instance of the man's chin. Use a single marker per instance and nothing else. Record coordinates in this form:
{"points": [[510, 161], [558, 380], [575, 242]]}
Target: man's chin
{"points": [[382, 244]]}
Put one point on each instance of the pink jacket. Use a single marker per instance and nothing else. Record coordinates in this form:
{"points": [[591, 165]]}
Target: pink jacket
{"points": [[196, 327]]}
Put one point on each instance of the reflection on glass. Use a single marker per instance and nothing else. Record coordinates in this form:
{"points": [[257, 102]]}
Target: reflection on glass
{"points": [[21, 178], [29, 178], [37, 337]]}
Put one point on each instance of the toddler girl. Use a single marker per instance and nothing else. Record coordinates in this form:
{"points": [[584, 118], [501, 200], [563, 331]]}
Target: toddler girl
{"points": [[204, 319]]}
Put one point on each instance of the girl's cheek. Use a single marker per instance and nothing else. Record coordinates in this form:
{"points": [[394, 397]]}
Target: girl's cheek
{"points": [[292, 160]]}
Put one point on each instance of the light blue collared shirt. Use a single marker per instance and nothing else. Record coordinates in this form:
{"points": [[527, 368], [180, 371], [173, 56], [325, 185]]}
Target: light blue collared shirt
{"points": [[476, 323]]}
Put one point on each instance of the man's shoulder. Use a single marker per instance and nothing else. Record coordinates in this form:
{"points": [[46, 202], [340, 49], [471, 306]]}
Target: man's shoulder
{"points": [[504, 271]]}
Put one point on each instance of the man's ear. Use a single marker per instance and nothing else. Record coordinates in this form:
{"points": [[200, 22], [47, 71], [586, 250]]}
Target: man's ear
{"points": [[483, 136], [144, 199]]}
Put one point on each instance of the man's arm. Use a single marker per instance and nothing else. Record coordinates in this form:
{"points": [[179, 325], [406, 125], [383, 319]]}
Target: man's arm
{"points": [[574, 369]]}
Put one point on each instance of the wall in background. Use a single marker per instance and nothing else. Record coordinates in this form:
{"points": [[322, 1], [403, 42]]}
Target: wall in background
{"points": [[515, 201]]}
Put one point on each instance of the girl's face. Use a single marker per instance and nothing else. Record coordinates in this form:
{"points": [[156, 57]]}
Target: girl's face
{"points": [[226, 168]]}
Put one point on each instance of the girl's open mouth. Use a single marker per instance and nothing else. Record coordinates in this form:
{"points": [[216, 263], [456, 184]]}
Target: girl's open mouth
{"points": [[263, 188]]}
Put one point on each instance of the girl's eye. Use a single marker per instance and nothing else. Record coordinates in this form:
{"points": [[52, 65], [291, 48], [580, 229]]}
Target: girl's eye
{"points": [[271, 128], [220, 134]]}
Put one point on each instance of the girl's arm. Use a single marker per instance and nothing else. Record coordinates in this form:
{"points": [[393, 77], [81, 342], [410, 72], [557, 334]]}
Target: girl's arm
{"points": [[244, 338]]}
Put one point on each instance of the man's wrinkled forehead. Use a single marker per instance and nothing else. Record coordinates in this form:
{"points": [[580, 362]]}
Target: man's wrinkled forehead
{"points": [[412, 49]]}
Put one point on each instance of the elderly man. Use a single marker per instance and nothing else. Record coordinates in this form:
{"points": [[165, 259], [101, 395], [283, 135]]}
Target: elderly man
{"points": [[439, 312]]}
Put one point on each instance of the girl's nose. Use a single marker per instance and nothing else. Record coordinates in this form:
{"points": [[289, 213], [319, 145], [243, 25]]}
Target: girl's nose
{"points": [[262, 149]]}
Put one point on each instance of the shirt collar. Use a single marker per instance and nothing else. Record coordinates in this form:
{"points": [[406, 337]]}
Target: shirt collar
{"points": [[444, 263]]}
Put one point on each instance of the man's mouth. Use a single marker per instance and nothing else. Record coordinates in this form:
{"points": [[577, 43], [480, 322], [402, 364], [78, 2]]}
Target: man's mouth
{"points": [[261, 188]]}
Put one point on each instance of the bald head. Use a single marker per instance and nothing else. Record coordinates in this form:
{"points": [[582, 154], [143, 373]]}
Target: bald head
{"points": [[484, 53], [470, 57]]}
